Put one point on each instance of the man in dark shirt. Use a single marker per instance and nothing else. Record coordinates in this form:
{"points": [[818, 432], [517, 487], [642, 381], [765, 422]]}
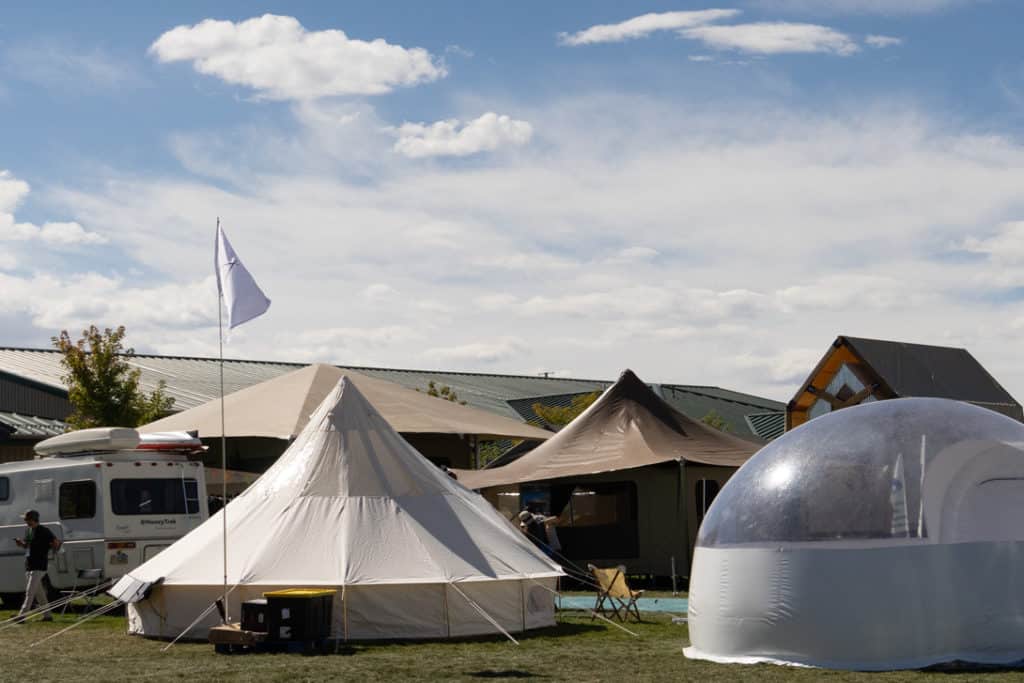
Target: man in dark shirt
{"points": [[534, 526], [37, 544]]}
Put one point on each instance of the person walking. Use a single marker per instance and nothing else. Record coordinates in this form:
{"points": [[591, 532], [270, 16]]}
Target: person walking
{"points": [[37, 544]]}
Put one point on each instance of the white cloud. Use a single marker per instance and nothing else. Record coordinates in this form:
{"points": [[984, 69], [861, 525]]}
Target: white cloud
{"points": [[789, 366], [883, 41], [633, 255], [644, 25], [379, 291], [64, 67], [701, 58], [77, 301], [486, 353], [1005, 246], [774, 38], [862, 6], [58, 234], [12, 192], [767, 223], [458, 50], [281, 60], [454, 138]]}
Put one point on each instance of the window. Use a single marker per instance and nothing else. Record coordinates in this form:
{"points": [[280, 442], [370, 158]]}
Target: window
{"points": [[5, 488], [598, 520], [154, 496], [77, 500], [603, 505], [704, 494]]}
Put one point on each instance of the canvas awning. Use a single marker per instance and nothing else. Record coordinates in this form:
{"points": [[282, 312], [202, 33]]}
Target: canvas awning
{"points": [[280, 407], [237, 481], [628, 426]]}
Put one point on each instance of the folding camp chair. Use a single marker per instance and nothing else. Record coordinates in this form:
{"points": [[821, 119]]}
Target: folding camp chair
{"points": [[614, 594]]}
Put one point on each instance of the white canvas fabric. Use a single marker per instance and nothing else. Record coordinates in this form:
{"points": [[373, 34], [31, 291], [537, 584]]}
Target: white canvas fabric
{"points": [[351, 505], [832, 548], [242, 296]]}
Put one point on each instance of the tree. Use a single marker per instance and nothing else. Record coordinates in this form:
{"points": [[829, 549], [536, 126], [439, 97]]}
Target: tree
{"points": [[713, 419], [492, 450], [102, 387], [444, 391], [559, 416]]}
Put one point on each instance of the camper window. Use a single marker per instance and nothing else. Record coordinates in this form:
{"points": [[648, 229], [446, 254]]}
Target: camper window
{"points": [[154, 496], [5, 489], [77, 500]]}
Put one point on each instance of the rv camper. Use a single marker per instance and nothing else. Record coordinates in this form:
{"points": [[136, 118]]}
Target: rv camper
{"points": [[114, 497]]}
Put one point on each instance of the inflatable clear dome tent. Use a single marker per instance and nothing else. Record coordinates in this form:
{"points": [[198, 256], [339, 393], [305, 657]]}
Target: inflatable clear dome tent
{"points": [[883, 536]]}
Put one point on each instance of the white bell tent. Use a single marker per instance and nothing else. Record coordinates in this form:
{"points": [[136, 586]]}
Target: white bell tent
{"points": [[350, 505], [884, 536]]}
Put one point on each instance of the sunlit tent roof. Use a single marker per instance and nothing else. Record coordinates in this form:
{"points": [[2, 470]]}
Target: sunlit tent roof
{"points": [[350, 505], [280, 407], [881, 536], [628, 426]]}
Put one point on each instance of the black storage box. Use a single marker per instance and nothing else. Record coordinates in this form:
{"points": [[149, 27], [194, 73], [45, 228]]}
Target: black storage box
{"points": [[254, 615], [299, 614]]}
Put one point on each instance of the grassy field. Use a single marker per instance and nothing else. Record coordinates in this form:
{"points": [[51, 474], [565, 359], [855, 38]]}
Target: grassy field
{"points": [[578, 649]]}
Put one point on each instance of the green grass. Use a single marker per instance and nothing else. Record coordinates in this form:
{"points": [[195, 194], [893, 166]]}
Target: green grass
{"points": [[578, 649]]}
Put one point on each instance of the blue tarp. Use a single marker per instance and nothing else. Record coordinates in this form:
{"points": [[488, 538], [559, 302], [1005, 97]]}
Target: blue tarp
{"points": [[673, 605]]}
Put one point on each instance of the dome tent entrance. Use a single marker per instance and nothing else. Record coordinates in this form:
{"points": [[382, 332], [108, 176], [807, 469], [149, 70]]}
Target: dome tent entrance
{"points": [[882, 536], [351, 505]]}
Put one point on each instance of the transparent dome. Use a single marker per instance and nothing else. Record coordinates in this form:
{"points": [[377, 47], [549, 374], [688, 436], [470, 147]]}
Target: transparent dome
{"points": [[900, 468]]}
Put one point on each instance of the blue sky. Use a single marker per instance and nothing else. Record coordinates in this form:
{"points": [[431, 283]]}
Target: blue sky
{"points": [[708, 193]]}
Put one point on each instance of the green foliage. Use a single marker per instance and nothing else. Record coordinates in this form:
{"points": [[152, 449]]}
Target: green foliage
{"points": [[102, 387], [491, 450], [713, 419], [444, 391], [561, 416]]}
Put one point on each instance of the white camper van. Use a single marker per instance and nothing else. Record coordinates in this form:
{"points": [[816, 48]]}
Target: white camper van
{"points": [[114, 497]]}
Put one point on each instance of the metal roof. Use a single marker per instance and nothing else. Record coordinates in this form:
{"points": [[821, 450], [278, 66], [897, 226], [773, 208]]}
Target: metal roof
{"points": [[767, 426], [193, 381], [29, 427], [733, 407], [924, 370]]}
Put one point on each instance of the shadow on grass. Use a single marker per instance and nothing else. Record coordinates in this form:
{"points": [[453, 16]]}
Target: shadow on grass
{"points": [[510, 673], [561, 630], [968, 668]]}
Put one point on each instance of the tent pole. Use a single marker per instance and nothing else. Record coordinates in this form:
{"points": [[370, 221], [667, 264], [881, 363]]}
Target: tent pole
{"points": [[223, 450], [522, 602], [682, 523]]}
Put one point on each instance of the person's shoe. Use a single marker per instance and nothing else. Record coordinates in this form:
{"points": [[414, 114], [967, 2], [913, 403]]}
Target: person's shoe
{"points": [[47, 617]]}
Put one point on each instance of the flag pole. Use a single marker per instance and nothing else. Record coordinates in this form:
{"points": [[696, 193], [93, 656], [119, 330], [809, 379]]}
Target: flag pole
{"points": [[223, 437], [244, 300]]}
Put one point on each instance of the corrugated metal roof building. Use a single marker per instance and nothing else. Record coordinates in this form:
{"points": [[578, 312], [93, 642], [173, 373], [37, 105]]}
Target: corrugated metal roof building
{"points": [[31, 385]]}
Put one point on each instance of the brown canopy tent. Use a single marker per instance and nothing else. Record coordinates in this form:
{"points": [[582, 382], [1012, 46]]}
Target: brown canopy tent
{"points": [[261, 419], [629, 479], [236, 481]]}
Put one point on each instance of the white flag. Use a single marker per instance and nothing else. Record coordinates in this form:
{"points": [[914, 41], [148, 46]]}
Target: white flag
{"points": [[242, 296]]}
